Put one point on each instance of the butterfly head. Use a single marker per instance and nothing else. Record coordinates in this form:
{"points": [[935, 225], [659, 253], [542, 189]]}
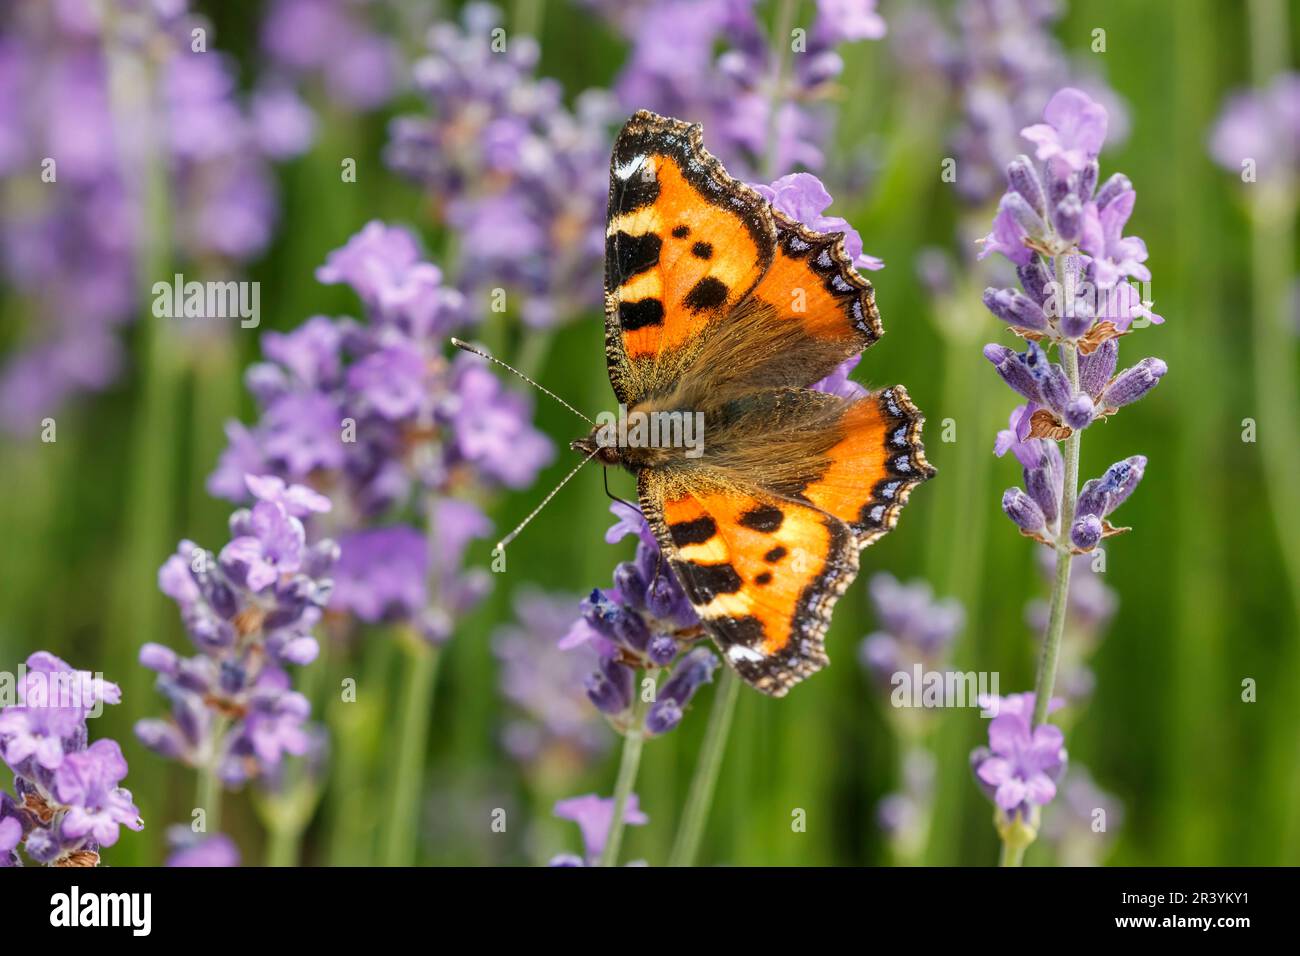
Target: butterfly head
{"points": [[597, 445]]}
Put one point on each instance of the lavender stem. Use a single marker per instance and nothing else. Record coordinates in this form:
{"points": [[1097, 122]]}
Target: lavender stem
{"points": [[1045, 682], [628, 765], [700, 796], [419, 677]]}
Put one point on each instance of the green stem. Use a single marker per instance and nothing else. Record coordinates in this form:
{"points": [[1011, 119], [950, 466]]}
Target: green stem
{"points": [[1273, 210], [627, 768], [526, 16], [1045, 682], [208, 785], [699, 798], [1011, 856], [283, 849], [416, 702]]}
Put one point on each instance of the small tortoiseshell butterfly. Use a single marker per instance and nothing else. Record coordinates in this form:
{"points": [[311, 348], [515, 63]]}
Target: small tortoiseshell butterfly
{"points": [[717, 303]]}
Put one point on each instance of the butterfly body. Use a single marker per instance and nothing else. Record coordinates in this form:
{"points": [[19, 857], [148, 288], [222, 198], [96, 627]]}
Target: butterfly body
{"points": [[721, 308]]}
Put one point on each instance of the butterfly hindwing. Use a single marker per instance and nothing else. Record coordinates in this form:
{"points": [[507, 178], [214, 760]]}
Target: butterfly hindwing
{"points": [[866, 477], [762, 572]]}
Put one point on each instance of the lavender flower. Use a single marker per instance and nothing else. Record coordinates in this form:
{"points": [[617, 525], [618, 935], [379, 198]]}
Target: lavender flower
{"points": [[802, 197], [70, 802], [594, 814], [904, 814], [1055, 221], [72, 252], [644, 622], [1081, 826], [1258, 131], [190, 849], [555, 726], [501, 153], [1085, 310], [712, 62], [376, 415], [250, 612], [1002, 64], [914, 628], [1019, 769], [330, 43]]}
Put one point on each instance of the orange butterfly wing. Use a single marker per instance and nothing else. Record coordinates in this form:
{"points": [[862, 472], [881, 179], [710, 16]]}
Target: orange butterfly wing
{"points": [[714, 300], [762, 573]]}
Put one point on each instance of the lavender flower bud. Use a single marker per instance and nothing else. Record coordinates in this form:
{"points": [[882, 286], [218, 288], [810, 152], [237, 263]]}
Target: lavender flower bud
{"points": [[663, 595], [1094, 499], [1023, 510], [610, 687], [1079, 412], [1096, 368], [1034, 279], [1111, 189], [160, 737], [662, 649], [1055, 388], [1016, 308], [631, 585], [1024, 214], [43, 846], [1123, 477], [1078, 317], [1023, 178], [158, 658], [1132, 383], [1086, 532], [615, 622], [691, 672], [1046, 481], [1067, 217], [1013, 370]]}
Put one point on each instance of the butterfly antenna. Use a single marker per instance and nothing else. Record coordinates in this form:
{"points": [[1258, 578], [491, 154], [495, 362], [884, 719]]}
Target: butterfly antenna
{"points": [[510, 368], [501, 545]]}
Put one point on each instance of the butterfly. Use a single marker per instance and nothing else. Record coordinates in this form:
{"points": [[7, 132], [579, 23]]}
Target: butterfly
{"points": [[718, 305]]}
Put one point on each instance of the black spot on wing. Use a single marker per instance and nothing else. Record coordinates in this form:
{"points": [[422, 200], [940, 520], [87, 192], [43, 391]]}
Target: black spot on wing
{"points": [[775, 555], [765, 518], [706, 295], [627, 255], [681, 232], [697, 531], [702, 250], [703, 582], [746, 631], [637, 315], [763, 579]]}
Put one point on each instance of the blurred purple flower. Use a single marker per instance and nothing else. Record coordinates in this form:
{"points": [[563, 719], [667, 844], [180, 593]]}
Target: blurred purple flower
{"points": [[71, 253], [330, 41], [913, 628], [544, 683], [500, 153], [196, 850], [1002, 64], [593, 814], [1261, 127]]}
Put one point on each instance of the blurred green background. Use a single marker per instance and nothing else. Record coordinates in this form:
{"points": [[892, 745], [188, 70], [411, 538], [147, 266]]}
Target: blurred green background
{"points": [[1206, 598]]}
